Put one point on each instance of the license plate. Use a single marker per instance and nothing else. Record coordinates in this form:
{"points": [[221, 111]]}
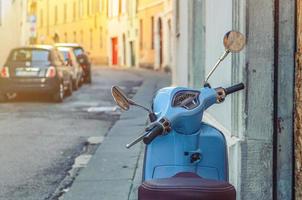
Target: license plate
{"points": [[27, 71]]}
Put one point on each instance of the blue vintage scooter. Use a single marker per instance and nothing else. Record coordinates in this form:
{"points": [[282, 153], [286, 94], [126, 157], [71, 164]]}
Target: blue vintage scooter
{"points": [[185, 158]]}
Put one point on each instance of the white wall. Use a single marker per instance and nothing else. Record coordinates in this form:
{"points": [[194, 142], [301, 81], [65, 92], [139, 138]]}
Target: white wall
{"points": [[12, 25], [218, 22], [166, 16], [181, 53]]}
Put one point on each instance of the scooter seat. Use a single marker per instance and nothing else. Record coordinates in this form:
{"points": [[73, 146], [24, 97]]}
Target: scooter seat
{"points": [[186, 186]]}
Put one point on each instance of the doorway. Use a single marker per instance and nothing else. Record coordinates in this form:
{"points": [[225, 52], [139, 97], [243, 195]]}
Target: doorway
{"points": [[132, 52], [114, 45], [124, 50], [160, 31]]}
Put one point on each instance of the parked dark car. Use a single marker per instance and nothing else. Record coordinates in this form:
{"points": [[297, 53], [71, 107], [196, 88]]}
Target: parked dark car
{"points": [[71, 61], [82, 57], [36, 69]]}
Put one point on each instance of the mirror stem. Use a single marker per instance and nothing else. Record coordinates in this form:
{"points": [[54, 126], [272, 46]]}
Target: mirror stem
{"points": [[135, 104], [152, 115], [149, 111], [225, 54]]}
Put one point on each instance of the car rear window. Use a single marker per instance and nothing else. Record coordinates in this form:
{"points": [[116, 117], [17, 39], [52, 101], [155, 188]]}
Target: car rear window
{"points": [[78, 51], [65, 54], [24, 55]]}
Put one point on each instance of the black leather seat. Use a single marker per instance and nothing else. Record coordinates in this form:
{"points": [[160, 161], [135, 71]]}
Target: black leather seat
{"points": [[186, 186]]}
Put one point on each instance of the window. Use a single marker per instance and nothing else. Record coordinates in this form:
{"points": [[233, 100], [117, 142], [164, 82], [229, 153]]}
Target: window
{"points": [[41, 18], [74, 11], [88, 7], [120, 7], [65, 37], [82, 36], [177, 17], [152, 32], [56, 14], [114, 8], [141, 44], [100, 5], [65, 12], [81, 8], [101, 37], [93, 9], [124, 6], [74, 36], [0, 12], [78, 51], [29, 55], [91, 39]]}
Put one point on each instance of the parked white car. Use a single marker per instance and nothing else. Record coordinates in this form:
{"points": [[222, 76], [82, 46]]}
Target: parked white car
{"points": [[71, 61]]}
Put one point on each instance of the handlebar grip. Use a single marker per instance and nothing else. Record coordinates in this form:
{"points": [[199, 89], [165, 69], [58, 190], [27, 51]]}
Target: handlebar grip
{"points": [[156, 131], [234, 88]]}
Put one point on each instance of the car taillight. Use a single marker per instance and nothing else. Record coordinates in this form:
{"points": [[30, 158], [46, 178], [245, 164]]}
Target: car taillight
{"points": [[5, 72], [51, 72]]}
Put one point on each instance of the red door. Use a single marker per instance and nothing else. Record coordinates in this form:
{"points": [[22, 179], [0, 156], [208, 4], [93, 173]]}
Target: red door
{"points": [[114, 42]]}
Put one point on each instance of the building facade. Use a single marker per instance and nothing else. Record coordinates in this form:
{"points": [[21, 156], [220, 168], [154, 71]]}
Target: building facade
{"points": [[14, 26], [155, 30], [75, 21], [258, 122], [118, 33]]}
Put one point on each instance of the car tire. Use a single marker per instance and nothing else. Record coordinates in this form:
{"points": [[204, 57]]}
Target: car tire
{"points": [[3, 98], [58, 96], [81, 82], [75, 85], [70, 88], [88, 78]]}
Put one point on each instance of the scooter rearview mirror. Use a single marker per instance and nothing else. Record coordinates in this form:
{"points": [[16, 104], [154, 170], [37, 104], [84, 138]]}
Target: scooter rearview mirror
{"points": [[124, 102], [120, 98], [234, 41]]}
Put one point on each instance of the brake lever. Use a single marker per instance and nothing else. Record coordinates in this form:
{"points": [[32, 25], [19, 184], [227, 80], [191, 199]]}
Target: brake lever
{"points": [[141, 137], [137, 140], [165, 124]]}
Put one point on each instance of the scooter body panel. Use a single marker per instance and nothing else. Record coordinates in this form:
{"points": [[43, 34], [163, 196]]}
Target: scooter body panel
{"points": [[172, 153]]}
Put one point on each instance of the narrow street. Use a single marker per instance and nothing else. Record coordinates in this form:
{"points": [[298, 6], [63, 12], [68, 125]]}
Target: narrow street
{"points": [[39, 140]]}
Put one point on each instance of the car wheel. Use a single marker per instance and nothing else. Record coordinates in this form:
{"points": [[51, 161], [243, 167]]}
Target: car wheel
{"points": [[70, 88], [88, 78], [75, 85], [3, 98], [81, 82], [59, 94]]}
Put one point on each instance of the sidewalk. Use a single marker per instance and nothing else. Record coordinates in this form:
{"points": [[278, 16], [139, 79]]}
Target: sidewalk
{"points": [[114, 172]]}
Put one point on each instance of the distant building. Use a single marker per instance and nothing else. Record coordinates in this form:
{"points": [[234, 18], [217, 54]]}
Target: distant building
{"points": [[75, 21], [14, 27], [132, 33], [118, 33], [154, 33]]}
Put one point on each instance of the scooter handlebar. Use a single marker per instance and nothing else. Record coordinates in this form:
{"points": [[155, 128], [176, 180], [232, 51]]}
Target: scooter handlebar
{"points": [[157, 130], [234, 88]]}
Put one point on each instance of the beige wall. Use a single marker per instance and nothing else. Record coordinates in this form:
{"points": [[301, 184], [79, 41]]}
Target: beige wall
{"points": [[146, 11], [11, 26], [79, 21]]}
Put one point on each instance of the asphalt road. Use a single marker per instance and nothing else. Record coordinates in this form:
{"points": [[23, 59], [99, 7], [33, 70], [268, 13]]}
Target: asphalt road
{"points": [[40, 139]]}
